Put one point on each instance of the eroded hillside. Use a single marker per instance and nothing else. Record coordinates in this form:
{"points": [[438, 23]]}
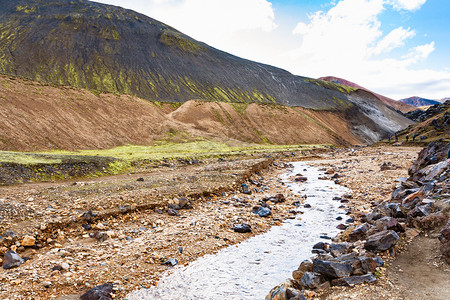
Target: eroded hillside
{"points": [[36, 116]]}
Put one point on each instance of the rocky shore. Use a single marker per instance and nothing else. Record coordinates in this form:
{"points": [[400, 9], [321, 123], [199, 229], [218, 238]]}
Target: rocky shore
{"points": [[370, 238], [108, 239]]}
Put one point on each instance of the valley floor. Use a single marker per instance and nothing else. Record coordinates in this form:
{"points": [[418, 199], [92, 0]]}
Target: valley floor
{"points": [[130, 231]]}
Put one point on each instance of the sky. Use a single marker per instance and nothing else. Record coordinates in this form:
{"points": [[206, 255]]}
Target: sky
{"points": [[397, 48]]}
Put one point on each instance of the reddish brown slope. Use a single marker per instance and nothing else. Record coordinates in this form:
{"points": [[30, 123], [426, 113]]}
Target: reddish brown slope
{"points": [[404, 108], [34, 116]]}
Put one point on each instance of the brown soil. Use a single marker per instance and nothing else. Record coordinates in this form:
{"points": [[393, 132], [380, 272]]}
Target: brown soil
{"points": [[153, 238], [41, 117]]}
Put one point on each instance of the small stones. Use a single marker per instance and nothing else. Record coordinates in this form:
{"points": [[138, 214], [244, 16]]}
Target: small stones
{"points": [[242, 228], [12, 260], [100, 236], [88, 216]]}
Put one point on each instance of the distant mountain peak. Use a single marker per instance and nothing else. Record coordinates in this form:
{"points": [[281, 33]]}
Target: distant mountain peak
{"points": [[418, 101]]}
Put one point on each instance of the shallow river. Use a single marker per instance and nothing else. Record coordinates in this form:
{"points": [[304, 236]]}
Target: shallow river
{"points": [[252, 268]]}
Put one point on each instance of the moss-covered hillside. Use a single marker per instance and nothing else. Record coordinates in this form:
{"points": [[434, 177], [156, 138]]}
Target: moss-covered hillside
{"points": [[110, 49]]}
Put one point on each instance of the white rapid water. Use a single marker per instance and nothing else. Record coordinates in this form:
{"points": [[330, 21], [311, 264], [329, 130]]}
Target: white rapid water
{"points": [[250, 269]]}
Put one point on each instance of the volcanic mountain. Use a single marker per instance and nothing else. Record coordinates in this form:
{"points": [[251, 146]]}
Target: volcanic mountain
{"points": [[419, 102], [398, 105], [100, 49]]}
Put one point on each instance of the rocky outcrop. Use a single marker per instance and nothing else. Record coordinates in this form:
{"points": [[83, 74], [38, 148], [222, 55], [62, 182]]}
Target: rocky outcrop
{"points": [[420, 202]]}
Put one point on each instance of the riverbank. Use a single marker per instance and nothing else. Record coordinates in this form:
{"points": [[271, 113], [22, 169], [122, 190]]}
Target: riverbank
{"points": [[138, 242]]}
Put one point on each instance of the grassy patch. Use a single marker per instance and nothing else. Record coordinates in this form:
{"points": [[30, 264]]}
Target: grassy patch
{"points": [[16, 167]]}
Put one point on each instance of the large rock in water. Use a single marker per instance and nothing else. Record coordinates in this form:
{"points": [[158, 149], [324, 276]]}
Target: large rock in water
{"points": [[381, 241]]}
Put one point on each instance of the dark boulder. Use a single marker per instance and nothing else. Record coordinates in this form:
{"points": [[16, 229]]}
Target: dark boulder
{"points": [[312, 280], [101, 292], [12, 260], [242, 228], [331, 269], [381, 241], [359, 232]]}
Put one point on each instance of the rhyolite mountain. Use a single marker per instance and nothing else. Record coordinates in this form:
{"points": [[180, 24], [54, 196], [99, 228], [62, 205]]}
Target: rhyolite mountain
{"points": [[108, 49], [418, 101], [398, 105]]}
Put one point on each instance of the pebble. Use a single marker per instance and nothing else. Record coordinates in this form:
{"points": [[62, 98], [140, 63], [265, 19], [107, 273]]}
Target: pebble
{"points": [[28, 241]]}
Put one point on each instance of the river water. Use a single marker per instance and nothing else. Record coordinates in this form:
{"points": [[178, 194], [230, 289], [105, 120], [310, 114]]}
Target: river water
{"points": [[252, 268]]}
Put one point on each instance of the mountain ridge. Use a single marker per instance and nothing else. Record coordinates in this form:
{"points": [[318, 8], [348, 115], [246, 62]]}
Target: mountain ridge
{"points": [[403, 107], [419, 101]]}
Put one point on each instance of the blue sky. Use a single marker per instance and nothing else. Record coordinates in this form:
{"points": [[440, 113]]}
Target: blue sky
{"points": [[398, 48]]}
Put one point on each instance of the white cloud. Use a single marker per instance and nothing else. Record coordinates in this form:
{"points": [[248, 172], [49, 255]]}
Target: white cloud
{"points": [[207, 20], [396, 38], [345, 39], [410, 5]]}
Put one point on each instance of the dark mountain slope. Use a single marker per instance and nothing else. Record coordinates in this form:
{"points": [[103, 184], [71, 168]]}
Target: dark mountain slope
{"points": [[111, 49], [418, 102]]}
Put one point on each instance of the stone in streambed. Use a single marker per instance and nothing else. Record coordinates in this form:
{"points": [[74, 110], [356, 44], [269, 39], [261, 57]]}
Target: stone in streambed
{"points": [[245, 189], [171, 262], [284, 291], [263, 212], [12, 260], [242, 228], [101, 292], [305, 266], [312, 280], [301, 179]]}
